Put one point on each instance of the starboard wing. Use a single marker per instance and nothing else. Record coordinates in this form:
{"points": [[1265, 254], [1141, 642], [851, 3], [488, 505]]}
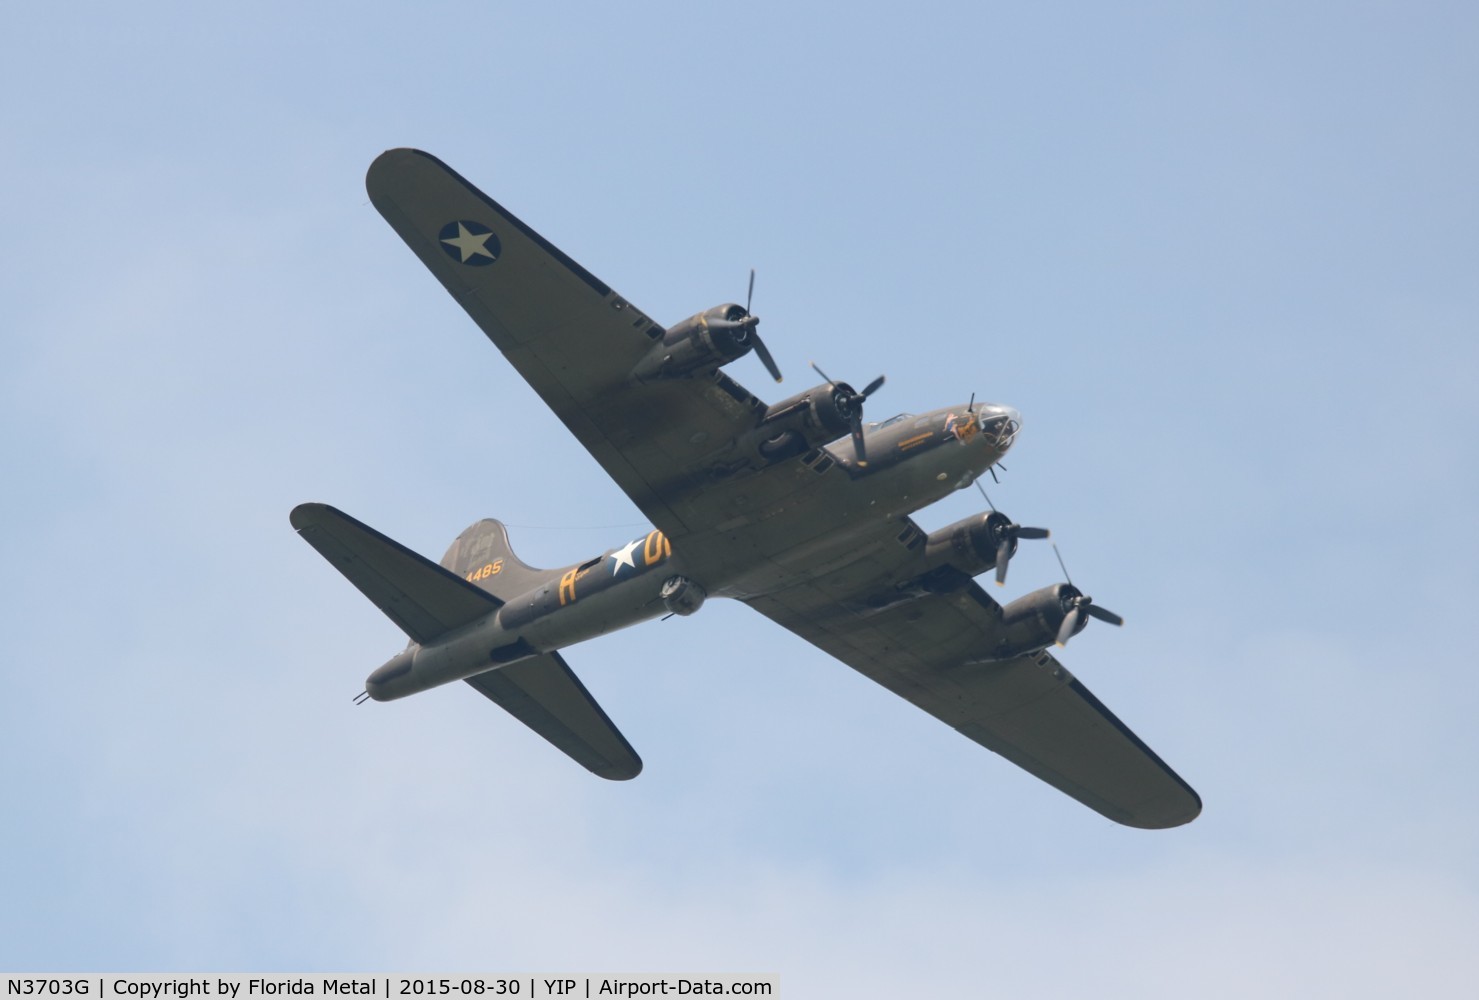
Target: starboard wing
{"points": [[931, 650], [568, 334]]}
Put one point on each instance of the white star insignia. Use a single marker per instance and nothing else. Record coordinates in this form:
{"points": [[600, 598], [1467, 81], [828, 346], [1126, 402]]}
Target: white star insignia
{"points": [[623, 557], [471, 245]]}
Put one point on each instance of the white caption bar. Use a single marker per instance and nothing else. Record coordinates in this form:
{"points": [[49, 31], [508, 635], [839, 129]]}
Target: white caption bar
{"points": [[399, 986]]}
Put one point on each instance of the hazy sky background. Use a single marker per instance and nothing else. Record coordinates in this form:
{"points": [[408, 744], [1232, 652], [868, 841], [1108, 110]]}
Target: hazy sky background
{"points": [[1223, 257]]}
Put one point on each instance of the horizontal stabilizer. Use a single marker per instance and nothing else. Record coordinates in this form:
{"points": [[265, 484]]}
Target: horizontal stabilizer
{"points": [[545, 695], [424, 599]]}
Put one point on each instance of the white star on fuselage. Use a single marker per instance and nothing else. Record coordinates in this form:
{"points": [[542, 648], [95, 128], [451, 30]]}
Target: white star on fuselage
{"points": [[623, 557], [470, 244]]}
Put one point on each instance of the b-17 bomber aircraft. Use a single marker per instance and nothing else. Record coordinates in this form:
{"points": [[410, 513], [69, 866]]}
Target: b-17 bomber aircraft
{"points": [[797, 508]]}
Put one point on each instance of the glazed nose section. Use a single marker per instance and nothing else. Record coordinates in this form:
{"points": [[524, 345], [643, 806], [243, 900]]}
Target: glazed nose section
{"points": [[999, 426]]}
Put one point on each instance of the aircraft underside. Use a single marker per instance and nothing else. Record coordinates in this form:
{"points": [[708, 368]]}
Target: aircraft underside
{"points": [[799, 509]]}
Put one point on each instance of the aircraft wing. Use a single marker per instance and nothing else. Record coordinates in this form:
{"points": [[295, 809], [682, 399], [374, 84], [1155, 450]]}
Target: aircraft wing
{"points": [[568, 334], [1030, 710]]}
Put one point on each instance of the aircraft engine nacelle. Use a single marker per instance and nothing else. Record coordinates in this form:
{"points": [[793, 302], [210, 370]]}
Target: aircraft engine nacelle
{"points": [[802, 422], [700, 344], [1031, 623], [969, 545]]}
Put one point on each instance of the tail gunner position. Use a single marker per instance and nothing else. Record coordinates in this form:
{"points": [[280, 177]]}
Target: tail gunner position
{"points": [[800, 509]]}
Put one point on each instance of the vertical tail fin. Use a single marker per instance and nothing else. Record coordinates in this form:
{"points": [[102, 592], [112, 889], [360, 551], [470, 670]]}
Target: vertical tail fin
{"points": [[482, 556]]}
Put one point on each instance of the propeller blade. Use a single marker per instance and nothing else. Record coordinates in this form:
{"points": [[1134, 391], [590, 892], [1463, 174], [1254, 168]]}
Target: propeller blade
{"points": [[1022, 532], [1082, 605], [1070, 625], [1060, 564], [764, 355], [1003, 556], [751, 320], [850, 402]]}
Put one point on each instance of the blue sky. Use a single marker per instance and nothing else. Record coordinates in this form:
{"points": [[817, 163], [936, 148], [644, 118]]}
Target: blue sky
{"points": [[1221, 256]]}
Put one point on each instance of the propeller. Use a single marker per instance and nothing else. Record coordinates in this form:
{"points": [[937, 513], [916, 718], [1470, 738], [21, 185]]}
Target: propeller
{"points": [[849, 403], [1077, 605], [1005, 534], [753, 321]]}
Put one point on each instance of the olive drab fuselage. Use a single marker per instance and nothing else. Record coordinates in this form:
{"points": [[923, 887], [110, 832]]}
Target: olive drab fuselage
{"points": [[912, 461]]}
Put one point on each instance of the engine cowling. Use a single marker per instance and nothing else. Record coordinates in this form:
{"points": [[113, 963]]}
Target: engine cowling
{"points": [[1031, 623], [969, 545], [700, 344], [802, 422]]}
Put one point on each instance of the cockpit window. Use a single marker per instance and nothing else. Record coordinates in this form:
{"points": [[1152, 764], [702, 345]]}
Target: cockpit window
{"points": [[896, 418]]}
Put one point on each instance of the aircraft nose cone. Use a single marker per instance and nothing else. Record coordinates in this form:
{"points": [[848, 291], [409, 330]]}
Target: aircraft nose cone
{"points": [[999, 425]]}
